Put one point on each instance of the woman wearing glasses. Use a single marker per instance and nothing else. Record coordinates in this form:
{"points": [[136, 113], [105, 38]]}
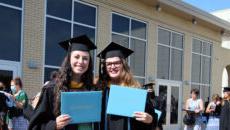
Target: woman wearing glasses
{"points": [[115, 70]]}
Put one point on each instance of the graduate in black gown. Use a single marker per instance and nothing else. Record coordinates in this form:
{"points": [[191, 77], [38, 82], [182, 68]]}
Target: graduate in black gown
{"points": [[225, 110], [75, 74], [114, 69]]}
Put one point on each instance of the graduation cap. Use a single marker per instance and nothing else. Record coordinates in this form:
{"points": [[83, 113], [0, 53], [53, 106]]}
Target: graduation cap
{"points": [[148, 85], [115, 50], [226, 89], [81, 43]]}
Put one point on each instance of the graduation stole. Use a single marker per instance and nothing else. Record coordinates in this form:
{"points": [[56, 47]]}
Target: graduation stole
{"points": [[75, 85]]}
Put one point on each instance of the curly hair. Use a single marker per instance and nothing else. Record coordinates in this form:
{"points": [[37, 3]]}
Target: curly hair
{"points": [[64, 78], [126, 76]]}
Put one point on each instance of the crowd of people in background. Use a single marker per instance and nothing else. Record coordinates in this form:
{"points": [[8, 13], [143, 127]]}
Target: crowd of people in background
{"points": [[213, 116], [12, 117], [76, 74]]}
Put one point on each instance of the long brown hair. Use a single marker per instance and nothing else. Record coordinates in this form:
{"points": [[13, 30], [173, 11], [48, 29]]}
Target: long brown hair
{"points": [[126, 78], [64, 78]]}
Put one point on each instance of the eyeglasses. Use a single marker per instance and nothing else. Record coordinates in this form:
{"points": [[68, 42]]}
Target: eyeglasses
{"points": [[115, 64]]}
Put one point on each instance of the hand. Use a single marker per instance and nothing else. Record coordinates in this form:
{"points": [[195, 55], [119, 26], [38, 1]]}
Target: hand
{"points": [[197, 110], [10, 95], [218, 102], [212, 110], [143, 117], [62, 121]]}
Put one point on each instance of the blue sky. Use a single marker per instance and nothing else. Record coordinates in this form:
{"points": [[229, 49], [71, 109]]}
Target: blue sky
{"points": [[210, 5]]}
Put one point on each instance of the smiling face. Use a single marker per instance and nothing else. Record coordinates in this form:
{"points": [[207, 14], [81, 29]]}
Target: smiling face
{"points": [[114, 67], [226, 94], [79, 61]]}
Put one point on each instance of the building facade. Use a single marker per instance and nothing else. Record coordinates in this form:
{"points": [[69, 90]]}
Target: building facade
{"points": [[177, 46], [225, 15]]}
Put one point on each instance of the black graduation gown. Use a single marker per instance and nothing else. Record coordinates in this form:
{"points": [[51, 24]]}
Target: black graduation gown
{"points": [[28, 112], [44, 117], [121, 123], [225, 116]]}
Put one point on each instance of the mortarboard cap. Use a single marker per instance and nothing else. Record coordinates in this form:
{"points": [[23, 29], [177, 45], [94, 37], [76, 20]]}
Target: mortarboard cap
{"points": [[149, 84], [115, 50], [226, 89], [81, 43]]}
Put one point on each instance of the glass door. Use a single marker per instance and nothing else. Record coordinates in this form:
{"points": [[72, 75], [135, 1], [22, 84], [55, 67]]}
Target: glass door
{"points": [[7, 73], [170, 99]]}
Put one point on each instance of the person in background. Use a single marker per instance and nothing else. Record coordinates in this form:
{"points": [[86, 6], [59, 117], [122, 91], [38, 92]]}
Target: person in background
{"points": [[213, 122], [7, 104], [115, 70], [28, 111], [156, 104], [2, 86], [225, 111], [53, 78], [196, 105], [75, 74], [21, 100], [3, 107], [53, 75]]}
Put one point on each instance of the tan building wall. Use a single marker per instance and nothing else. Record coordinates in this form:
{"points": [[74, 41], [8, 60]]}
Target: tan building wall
{"points": [[33, 41], [220, 61]]}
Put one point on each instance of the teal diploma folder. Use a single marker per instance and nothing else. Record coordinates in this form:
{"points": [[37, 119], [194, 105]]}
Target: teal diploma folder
{"points": [[124, 101], [158, 112], [82, 107]]}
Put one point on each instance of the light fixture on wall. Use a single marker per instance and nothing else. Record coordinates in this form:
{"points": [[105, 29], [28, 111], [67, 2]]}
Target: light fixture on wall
{"points": [[222, 32], [158, 8], [151, 79], [194, 21], [32, 64], [186, 82]]}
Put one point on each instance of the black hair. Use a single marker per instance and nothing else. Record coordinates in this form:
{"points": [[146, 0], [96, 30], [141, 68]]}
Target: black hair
{"points": [[196, 91]]}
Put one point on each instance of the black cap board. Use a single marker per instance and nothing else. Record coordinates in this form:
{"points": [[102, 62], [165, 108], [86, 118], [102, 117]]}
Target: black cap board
{"points": [[149, 84], [115, 50], [226, 89], [81, 43]]}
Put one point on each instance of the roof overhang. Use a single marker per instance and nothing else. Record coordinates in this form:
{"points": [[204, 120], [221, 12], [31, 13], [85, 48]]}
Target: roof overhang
{"points": [[190, 11]]}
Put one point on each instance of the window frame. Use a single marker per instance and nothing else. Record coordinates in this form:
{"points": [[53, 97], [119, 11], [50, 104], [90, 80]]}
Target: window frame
{"points": [[22, 32], [201, 84], [202, 55], [132, 37], [72, 22], [170, 50]]}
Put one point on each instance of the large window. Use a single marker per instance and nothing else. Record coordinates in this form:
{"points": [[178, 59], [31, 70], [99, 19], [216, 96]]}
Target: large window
{"points": [[170, 55], [131, 33], [201, 66], [65, 19], [10, 29]]}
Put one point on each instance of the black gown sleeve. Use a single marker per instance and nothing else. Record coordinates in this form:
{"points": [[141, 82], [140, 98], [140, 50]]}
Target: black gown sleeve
{"points": [[225, 116], [28, 112], [151, 110], [43, 118]]}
